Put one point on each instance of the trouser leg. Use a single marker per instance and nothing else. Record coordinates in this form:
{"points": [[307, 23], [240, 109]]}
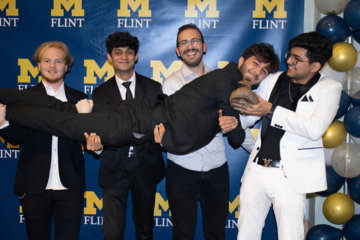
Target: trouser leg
{"points": [[183, 192], [114, 211], [68, 209], [254, 204], [143, 199], [38, 213], [289, 208], [214, 200]]}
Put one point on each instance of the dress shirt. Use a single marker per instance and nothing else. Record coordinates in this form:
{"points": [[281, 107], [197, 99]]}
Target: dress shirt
{"points": [[212, 155], [54, 181]]}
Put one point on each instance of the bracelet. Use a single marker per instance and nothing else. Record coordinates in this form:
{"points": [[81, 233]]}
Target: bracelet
{"points": [[270, 113]]}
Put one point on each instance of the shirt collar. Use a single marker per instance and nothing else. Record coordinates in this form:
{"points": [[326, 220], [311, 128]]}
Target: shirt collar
{"points": [[189, 75], [49, 89], [119, 81]]}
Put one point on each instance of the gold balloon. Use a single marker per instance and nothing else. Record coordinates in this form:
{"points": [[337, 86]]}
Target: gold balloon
{"points": [[344, 57], [338, 208], [335, 135]]}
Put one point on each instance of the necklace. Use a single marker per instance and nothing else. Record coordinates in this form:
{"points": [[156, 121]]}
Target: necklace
{"points": [[290, 91]]}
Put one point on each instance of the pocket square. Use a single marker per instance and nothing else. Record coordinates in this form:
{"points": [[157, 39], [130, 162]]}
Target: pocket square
{"points": [[305, 99]]}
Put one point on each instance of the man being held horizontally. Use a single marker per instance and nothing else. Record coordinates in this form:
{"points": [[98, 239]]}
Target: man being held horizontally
{"points": [[202, 175], [50, 177], [190, 115], [288, 158], [136, 168]]}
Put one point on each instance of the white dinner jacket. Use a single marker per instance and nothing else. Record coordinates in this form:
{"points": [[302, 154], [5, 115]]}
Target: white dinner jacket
{"points": [[301, 147]]}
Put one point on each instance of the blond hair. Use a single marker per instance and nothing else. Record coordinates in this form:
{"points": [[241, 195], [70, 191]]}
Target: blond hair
{"points": [[55, 44]]}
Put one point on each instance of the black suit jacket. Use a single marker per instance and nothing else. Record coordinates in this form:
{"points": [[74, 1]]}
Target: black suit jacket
{"points": [[113, 159], [34, 162]]}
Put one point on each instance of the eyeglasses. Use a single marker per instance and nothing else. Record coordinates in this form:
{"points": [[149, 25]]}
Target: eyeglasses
{"points": [[185, 43], [294, 59]]}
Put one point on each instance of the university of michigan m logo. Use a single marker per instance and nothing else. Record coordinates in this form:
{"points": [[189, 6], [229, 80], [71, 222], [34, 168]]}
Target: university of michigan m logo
{"points": [[270, 6], [92, 68], [202, 5], [25, 68], [134, 5], [11, 7], [77, 11]]}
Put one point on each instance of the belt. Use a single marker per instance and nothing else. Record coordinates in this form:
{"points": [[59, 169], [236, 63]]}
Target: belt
{"points": [[268, 162]]}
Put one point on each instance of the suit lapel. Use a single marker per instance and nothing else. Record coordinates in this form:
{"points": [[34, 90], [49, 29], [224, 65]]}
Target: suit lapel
{"points": [[114, 91], [273, 97]]}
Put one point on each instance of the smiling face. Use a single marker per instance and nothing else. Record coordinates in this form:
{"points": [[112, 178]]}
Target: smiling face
{"points": [[192, 53], [123, 59], [254, 69], [299, 67], [52, 65]]}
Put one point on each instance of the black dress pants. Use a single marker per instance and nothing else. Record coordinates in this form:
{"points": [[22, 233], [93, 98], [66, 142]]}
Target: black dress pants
{"points": [[143, 202], [185, 188], [65, 206]]}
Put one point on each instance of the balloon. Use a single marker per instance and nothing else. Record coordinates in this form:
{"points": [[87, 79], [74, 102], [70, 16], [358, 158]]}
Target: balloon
{"points": [[331, 6], [358, 62], [356, 35], [338, 208], [351, 83], [334, 28], [354, 188], [344, 57], [351, 230], [334, 135], [345, 101], [352, 14], [323, 232], [334, 182], [352, 121], [355, 139], [345, 160]]}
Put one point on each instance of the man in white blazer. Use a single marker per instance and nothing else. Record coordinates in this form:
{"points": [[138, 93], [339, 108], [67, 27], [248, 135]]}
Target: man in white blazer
{"points": [[287, 160]]}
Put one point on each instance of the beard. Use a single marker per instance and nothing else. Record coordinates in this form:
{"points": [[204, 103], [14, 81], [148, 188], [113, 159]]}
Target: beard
{"points": [[53, 79], [193, 63]]}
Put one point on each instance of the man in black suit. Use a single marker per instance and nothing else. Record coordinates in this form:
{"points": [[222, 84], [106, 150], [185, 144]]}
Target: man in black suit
{"points": [[190, 115], [137, 168], [50, 177]]}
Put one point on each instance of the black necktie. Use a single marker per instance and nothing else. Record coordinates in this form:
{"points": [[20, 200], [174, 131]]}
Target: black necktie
{"points": [[128, 91]]}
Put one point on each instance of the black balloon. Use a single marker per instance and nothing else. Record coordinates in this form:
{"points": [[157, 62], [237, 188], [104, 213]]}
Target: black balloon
{"points": [[351, 230], [334, 182]]}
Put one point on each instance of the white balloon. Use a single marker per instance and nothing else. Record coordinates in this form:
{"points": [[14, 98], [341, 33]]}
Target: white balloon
{"points": [[351, 82], [355, 139], [345, 160], [331, 6]]}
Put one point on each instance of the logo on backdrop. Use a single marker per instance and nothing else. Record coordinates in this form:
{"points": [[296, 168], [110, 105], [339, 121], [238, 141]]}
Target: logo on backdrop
{"points": [[143, 18], [275, 9], [77, 14], [9, 13], [93, 68], [211, 15], [27, 70]]}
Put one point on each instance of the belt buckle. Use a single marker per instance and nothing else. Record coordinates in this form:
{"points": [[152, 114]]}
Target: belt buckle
{"points": [[267, 162]]}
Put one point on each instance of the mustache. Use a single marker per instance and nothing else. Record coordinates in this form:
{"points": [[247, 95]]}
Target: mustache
{"points": [[192, 49]]}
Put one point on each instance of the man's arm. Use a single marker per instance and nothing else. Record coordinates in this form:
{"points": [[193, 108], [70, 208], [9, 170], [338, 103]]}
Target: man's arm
{"points": [[12, 134]]}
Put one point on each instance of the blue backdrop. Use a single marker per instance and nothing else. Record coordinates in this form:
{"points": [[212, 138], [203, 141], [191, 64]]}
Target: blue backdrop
{"points": [[228, 26]]}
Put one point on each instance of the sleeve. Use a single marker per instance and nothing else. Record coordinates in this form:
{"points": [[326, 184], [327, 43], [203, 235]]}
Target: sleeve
{"points": [[170, 86], [312, 127], [14, 135], [223, 90]]}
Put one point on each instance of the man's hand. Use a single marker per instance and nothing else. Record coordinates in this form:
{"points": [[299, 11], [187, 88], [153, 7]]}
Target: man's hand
{"points": [[84, 106], [159, 131], [2, 114], [227, 123], [260, 109], [93, 142]]}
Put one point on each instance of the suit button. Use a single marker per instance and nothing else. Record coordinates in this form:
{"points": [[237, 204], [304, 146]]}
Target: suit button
{"points": [[257, 148]]}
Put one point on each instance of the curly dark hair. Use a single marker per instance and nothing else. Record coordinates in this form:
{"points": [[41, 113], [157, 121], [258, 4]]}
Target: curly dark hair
{"points": [[121, 39], [265, 53], [188, 26], [319, 48]]}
